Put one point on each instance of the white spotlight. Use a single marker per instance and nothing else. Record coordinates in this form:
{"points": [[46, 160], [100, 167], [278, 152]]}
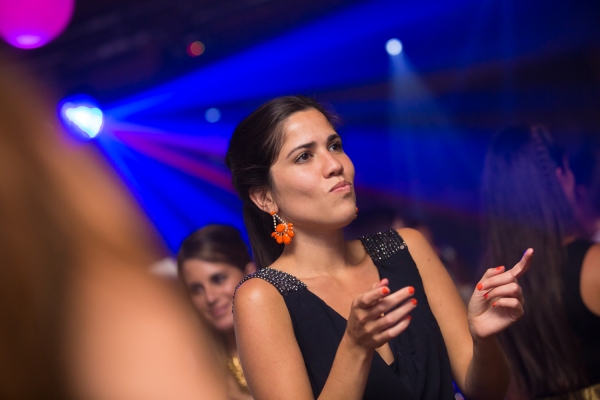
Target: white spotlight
{"points": [[393, 47], [212, 115], [83, 117]]}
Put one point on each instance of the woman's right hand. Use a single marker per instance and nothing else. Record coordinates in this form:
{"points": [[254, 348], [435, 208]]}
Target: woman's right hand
{"points": [[370, 325]]}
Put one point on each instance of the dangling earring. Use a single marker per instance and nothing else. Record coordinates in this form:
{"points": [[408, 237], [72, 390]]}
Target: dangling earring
{"points": [[356, 215], [283, 232]]}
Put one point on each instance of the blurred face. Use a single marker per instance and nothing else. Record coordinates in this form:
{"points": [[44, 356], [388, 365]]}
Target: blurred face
{"points": [[211, 286], [313, 177]]}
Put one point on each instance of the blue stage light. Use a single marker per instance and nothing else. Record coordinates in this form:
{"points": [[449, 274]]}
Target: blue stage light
{"points": [[212, 115], [82, 116], [393, 47]]}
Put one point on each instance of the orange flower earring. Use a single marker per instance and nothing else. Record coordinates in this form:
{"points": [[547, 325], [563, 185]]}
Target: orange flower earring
{"points": [[283, 232]]}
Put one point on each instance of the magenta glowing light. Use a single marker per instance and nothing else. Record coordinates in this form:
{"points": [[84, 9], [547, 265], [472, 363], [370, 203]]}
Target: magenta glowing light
{"points": [[28, 24]]}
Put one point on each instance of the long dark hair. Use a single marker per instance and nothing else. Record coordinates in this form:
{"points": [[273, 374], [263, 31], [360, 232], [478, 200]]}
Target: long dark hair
{"points": [[253, 148], [214, 243], [525, 206]]}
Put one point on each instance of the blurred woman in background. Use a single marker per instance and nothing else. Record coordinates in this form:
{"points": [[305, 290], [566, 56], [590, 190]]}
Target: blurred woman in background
{"points": [[211, 262], [80, 315], [555, 348]]}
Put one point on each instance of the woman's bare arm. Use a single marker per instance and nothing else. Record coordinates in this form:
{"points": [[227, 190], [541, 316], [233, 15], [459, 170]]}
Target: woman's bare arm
{"points": [[479, 367], [590, 280]]}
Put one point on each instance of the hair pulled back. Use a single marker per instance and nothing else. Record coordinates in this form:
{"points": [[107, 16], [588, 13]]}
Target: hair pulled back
{"points": [[525, 206], [215, 243], [253, 149]]}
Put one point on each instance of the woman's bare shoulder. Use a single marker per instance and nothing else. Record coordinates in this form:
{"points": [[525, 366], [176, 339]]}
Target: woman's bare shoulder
{"points": [[255, 288], [590, 279], [412, 236], [257, 293]]}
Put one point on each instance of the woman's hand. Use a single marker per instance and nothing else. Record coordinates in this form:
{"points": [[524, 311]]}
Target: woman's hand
{"points": [[497, 301], [370, 325]]}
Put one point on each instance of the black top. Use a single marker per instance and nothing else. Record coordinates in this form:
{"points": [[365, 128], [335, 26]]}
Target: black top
{"points": [[421, 369], [585, 324]]}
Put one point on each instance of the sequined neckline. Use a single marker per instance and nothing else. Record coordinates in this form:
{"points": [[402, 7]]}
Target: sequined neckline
{"points": [[283, 281], [383, 245]]}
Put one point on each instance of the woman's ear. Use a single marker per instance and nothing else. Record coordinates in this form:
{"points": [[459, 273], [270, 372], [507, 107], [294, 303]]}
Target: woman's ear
{"points": [[263, 199], [250, 268]]}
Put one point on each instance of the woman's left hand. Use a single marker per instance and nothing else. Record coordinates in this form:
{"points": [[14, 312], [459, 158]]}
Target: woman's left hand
{"points": [[497, 301]]}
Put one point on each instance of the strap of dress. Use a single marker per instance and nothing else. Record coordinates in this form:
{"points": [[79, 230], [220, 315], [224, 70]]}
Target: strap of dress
{"points": [[283, 281], [383, 245]]}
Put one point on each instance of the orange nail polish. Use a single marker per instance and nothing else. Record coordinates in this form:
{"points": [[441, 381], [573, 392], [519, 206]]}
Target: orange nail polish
{"points": [[385, 290], [409, 317], [499, 268], [411, 290], [479, 286], [414, 301], [485, 296], [494, 304]]}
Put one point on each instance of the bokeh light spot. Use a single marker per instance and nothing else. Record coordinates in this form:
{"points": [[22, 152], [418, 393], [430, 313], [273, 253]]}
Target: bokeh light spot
{"points": [[212, 115], [82, 117], [195, 49], [393, 47]]}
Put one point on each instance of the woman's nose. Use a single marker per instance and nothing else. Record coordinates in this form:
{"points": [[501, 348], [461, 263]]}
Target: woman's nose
{"points": [[210, 295], [333, 166]]}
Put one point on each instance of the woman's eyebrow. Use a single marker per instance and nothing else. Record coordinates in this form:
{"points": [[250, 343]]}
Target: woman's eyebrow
{"points": [[302, 146], [333, 137], [330, 138]]}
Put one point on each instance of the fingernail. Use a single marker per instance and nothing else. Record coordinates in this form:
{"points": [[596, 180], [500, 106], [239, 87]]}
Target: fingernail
{"points": [[414, 301], [479, 286], [409, 317], [411, 290], [485, 296], [494, 304], [499, 268], [385, 290]]}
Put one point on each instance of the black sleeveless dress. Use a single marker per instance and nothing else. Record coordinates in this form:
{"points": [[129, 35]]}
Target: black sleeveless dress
{"points": [[585, 324], [421, 369]]}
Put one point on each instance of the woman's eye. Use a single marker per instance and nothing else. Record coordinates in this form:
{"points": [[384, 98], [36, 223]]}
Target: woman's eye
{"points": [[304, 157], [220, 278], [337, 146], [196, 289]]}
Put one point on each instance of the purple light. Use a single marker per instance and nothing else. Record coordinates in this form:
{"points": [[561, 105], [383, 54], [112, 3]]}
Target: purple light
{"points": [[28, 24]]}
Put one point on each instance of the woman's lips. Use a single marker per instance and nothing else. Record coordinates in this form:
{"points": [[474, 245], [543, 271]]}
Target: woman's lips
{"points": [[343, 186], [218, 312]]}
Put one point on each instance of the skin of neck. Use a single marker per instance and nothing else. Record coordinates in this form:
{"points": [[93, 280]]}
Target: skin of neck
{"points": [[230, 343], [316, 253]]}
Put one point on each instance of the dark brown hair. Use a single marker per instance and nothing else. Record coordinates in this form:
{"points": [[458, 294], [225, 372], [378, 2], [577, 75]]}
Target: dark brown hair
{"points": [[585, 165], [253, 148], [214, 243], [525, 206]]}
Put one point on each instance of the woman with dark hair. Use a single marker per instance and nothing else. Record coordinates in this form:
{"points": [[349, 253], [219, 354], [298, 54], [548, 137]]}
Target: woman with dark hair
{"points": [[211, 262], [375, 318], [555, 348]]}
